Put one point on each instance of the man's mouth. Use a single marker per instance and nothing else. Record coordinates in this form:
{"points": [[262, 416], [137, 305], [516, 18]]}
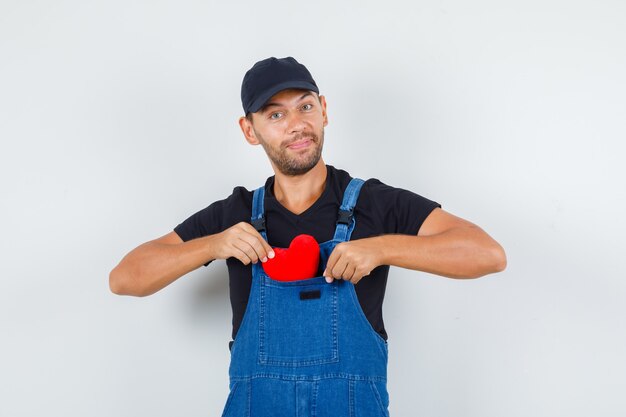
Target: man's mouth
{"points": [[300, 144]]}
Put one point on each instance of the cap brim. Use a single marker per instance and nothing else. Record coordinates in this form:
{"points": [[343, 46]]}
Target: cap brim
{"points": [[262, 99]]}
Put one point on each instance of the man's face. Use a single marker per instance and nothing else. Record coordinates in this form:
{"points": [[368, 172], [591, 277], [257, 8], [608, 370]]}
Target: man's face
{"points": [[290, 127]]}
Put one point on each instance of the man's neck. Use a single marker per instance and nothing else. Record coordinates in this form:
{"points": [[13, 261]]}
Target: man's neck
{"points": [[299, 193]]}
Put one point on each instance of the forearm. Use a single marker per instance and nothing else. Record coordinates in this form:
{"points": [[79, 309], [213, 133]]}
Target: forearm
{"points": [[154, 265], [464, 252]]}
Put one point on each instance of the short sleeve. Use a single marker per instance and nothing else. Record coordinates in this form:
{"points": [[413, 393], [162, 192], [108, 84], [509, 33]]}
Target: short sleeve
{"points": [[202, 223], [401, 211], [215, 218]]}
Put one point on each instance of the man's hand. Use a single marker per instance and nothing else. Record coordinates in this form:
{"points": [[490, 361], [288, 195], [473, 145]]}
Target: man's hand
{"points": [[243, 242], [155, 264], [354, 259]]}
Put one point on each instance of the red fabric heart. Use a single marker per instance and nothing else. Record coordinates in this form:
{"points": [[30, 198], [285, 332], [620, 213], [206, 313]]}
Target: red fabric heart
{"points": [[299, 261]]}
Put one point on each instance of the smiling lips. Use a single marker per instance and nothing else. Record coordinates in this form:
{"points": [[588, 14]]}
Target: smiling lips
{"points": [[300, 144]]}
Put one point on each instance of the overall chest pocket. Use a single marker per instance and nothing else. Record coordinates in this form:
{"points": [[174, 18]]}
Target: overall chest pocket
{"points": [[298, 322]]}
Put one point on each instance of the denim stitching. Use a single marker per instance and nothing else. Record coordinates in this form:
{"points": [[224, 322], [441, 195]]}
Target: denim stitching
{"points": [[262, 355], [353, 374], [265, 357], [351, 397], [249, 399], [318, 377], [379, 400], [314, 398]]}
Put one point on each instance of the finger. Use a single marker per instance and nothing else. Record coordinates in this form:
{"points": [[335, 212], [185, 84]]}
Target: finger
{"points": [[260, 246], [241, 255], [265, 250], [350, 273], [362, 273], [269, 251], [329, 267], [328, 273], [339, 268], [245, 247], [356, 278], [330, 264]]}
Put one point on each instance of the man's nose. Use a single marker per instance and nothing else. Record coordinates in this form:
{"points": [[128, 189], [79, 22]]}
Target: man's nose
{"points": [[295, 121]]}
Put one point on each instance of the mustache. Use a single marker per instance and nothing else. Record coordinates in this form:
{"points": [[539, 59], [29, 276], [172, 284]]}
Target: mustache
{"points": [[310, 136]]}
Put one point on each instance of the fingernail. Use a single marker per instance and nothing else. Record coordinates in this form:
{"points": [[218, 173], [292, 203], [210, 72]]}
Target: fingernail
{"points": [[264, 259], [329, 279], [271, 255]]}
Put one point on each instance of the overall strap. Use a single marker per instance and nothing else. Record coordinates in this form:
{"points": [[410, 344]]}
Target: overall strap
{"points": [[258, 211], [345, 220]]}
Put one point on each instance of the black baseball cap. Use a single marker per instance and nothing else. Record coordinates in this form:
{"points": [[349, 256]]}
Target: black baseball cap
{"points": [[271, 75]]}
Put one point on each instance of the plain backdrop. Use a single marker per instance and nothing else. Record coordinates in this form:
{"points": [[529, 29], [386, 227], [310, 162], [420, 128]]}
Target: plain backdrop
{"points": [[118, 120]]}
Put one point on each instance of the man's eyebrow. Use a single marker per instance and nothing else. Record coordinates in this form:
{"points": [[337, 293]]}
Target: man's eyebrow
{"points": [[267, 105]]}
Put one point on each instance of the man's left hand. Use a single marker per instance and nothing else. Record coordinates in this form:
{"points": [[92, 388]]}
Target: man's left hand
{"points": [[354, 259]]}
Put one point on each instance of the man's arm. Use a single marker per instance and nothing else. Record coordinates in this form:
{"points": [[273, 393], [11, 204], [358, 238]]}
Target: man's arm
{"points": [[445, 245], [157, 263]]}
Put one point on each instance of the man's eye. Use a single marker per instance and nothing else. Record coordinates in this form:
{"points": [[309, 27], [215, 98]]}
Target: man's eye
{"points": [[273, 114], [310, 106]]}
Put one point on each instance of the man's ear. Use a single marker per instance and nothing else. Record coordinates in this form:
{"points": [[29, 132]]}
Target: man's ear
{"points": [[324, 114], [248, 131]]}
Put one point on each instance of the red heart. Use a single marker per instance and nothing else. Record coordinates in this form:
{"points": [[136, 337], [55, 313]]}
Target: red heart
{"points": [[299, 261]]}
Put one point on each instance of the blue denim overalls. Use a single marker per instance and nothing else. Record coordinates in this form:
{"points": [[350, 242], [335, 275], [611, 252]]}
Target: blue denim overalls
{"points": [[305, 348]]}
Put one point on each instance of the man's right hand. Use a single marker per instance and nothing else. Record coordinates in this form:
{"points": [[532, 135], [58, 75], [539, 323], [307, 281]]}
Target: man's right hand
{"points": [[155, 264], [243, 242]]}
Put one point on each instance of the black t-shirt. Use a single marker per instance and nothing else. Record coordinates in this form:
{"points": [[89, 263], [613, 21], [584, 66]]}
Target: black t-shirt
{"points": [[380, 209]]}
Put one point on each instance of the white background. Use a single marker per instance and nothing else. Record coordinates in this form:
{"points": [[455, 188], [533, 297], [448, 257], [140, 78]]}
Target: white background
{"points": [[118, 120]]}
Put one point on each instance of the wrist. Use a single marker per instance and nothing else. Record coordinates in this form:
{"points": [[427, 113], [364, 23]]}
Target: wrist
{"points": [[381, 249], [209, 246]]}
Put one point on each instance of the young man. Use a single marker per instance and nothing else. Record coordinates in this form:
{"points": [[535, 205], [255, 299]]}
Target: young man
{"points": [[317, 345]]}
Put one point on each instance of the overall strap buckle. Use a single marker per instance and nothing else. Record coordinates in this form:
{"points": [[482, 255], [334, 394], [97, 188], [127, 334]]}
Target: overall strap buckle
{"points": [[258, 216], [259, 224], [345, 216]]}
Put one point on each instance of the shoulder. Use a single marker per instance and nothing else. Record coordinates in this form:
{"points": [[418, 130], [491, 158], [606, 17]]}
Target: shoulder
{"points": [[239, 199], [239, 202], [240, 196], [400, 210], [386, 194], [217, 216]]}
